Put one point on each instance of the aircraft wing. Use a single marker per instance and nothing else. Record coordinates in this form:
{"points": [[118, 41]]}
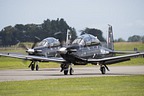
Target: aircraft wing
{"points": [[124, 52], [31, 57], [116, 59]]}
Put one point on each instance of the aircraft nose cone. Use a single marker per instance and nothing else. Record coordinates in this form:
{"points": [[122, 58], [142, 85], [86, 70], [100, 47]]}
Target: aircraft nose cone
{"points": [[63, 50]]}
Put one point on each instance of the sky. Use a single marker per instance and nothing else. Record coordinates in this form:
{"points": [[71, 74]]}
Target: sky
{"points": [[126, 16]]}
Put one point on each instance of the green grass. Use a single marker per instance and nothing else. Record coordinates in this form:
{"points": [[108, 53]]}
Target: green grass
{"points": [[133, 62], [12, 63], [129, 46], [93, 86]]}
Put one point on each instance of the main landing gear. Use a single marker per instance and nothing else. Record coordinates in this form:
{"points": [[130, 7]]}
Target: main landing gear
{"points": [[65, 68], [103, 69], [33, 65]]}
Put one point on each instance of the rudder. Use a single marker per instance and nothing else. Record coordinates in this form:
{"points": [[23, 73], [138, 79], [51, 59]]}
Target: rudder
{"points": [[110, 41]]}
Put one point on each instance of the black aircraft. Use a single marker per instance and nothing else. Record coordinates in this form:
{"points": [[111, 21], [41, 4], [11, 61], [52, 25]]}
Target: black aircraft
{"points": [[83, 50], [46, 48]]}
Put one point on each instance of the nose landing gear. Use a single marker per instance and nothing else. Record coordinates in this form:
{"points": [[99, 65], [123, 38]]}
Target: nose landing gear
{"points": [[33, 65], [65, 68]]}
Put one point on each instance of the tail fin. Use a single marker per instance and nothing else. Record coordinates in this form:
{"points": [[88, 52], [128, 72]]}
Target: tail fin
{"points": [[110, 41]]}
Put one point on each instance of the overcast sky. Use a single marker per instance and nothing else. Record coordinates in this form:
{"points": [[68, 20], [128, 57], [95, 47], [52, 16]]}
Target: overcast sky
{"points": [[126, 16]]}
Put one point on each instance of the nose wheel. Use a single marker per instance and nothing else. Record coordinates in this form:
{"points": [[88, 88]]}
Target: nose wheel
{"points": [[65, 72], [65, 68], [33, 65], [37, 67]]}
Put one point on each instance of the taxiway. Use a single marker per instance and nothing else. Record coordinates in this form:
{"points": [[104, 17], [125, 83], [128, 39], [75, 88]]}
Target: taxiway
{"points": [[54, 73]]}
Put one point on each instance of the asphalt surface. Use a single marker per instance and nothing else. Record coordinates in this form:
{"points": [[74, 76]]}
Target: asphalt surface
{"points": [[54, 73]]}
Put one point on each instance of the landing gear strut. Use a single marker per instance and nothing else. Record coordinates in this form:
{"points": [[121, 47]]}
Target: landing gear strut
{"points": [[33, 65], [65, 68], [71, 71]]}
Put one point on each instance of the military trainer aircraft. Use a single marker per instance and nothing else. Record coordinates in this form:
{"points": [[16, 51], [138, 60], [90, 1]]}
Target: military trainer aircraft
{"points": [[48, 47], [83, 50]]}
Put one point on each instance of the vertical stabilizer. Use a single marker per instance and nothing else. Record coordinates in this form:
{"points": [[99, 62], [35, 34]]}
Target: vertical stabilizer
{"points": [[110, 41]]}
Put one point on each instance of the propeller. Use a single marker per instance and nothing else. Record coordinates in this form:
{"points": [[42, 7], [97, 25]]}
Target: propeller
{"points": [[22, 45], [35, 41], [31, 50]]}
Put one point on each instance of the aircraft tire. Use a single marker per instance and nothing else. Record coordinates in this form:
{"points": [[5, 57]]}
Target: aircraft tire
{"points": [[37, 67], [65, 72], [71, 71], [32, 67], [103, 70]]}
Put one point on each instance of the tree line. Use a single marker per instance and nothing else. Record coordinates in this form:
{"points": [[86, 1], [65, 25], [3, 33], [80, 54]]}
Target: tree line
{"points": [[134, 38], [26, 33], [11, 35], [49, 28]]}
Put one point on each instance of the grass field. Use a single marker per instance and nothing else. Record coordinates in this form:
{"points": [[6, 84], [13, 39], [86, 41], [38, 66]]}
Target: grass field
{"points": [[12, 63], [94, 86], [129, 46]]}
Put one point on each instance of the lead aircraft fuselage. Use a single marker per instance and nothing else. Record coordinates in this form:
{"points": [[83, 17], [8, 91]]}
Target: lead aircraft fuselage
{"points": [[85, 46]]}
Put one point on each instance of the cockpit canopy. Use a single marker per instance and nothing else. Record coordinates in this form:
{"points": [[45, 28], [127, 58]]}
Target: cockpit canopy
{"points": [[49, 42], [86, 40]]}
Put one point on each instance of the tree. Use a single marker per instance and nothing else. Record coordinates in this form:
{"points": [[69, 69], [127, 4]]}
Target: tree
{"points": [[134, 38], [142, 39], [120, 40], [8, 36], [26, 33]]}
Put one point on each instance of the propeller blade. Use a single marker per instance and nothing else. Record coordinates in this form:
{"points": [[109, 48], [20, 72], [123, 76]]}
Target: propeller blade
{"points": [[34, 44], [23, 46], [35, 41]]}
